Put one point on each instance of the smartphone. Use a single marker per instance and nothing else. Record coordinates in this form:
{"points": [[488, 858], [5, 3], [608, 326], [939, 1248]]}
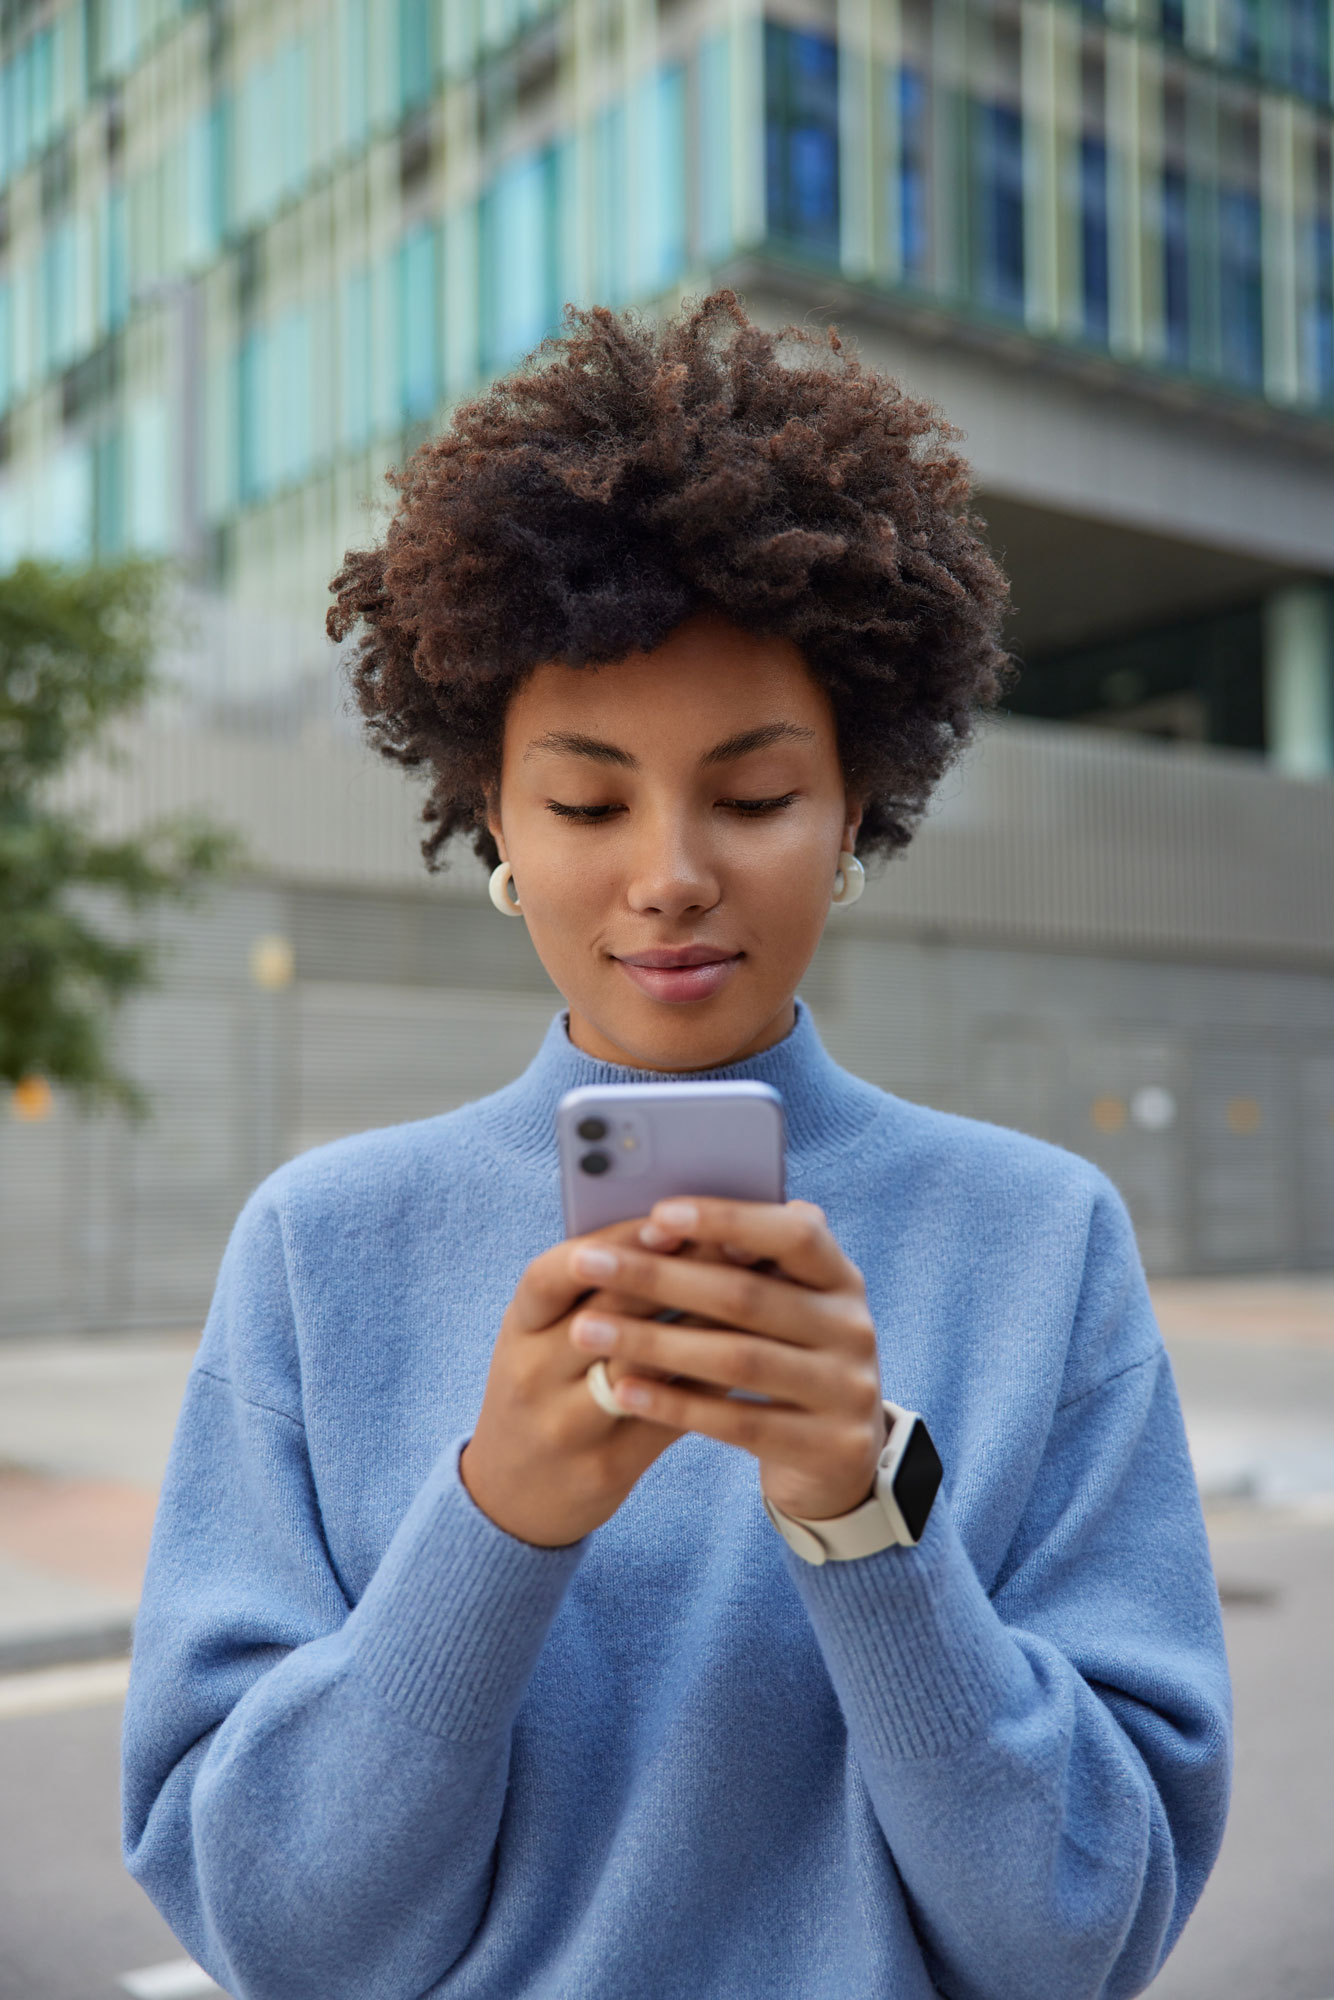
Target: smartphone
{"points": [[624, 1146]]}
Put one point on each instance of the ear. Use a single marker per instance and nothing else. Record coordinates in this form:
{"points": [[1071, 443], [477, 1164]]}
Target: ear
{"points": [[493, 824], [851, 823]]}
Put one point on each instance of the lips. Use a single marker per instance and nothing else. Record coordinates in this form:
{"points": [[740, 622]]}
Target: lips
{"points": [[688, 972]]}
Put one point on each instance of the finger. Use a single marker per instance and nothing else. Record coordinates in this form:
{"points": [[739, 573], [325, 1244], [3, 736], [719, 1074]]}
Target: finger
{"points": [[734, 1297], [764, 1429], [552, 1284], [793, 1234], [807, 1379]]}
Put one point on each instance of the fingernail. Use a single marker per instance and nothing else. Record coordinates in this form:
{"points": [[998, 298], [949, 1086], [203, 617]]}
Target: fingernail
{"points": [[678, 1215], [654, 1238], [735, 1256], [632, 1396], [591, 1261], [591, 1331]]}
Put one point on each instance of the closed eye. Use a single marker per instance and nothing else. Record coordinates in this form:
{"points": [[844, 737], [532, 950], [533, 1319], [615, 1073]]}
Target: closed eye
{"points": [[753, 808], [589, 814], [747, 808]]}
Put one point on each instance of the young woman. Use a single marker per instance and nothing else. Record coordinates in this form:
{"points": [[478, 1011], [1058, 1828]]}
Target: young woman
{"points": [[489, 1647]]}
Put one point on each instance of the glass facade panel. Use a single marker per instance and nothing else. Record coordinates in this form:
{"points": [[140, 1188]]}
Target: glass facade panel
{"points": [[912, 195], [995, 182], [1240, 285], [801, 139], [517, 306], [1093, 238], [109, 493], [115, 260], [658, 136], [150, 522], [251, 417], [1317, 318], [6, 345], [998, 207], [714, 182], [1176, 268], [355, 67], [416, 65], [610, 261], [419, 324], [354, 349]]}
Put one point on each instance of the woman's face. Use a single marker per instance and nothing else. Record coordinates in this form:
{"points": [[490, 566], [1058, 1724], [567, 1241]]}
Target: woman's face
{"points": [[674, 821]]}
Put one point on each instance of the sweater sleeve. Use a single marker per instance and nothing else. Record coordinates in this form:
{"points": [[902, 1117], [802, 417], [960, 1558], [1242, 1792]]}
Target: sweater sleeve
{"points": [[312, 1790], [1049, 1761]]}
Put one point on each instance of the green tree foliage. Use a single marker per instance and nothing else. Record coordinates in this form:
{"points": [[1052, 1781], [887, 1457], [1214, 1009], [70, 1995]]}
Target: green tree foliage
{"points": [[76, 653]]}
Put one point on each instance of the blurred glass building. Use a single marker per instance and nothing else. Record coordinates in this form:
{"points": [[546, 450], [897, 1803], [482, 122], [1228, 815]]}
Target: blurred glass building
{"points": [[250, 255]]}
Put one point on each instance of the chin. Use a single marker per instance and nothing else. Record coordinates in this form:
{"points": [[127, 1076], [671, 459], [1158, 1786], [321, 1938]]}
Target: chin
{"points": [[699, 1035]]}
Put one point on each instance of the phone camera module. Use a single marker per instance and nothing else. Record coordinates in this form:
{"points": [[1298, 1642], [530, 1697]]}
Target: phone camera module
{"points": [[592, 1129], [594, 1163]]}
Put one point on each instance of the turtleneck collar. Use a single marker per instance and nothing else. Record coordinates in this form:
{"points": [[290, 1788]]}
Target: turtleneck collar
{"points": [[823, 1105]]}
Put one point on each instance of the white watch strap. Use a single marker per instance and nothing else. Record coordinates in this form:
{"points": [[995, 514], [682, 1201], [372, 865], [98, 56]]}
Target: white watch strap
{"points": [[877, 1524]]}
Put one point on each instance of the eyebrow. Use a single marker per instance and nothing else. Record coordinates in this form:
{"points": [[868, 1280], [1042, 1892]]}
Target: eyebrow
{"points": [[757, 739], [571, 744]]}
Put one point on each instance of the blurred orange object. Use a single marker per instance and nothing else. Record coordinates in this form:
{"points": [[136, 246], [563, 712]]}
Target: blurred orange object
{"points": [[32, 1098]]}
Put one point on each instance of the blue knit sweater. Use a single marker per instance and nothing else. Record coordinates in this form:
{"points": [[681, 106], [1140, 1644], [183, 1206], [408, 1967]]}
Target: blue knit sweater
{"points": [[376, 1748]]}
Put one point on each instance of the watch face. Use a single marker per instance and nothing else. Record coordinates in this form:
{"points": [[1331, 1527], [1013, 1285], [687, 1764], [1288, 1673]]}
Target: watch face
{"points": [[917, 1480]]}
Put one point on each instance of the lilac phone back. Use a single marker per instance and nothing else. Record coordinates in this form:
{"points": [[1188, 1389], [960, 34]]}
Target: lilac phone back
{"points": [[626, 1145]]}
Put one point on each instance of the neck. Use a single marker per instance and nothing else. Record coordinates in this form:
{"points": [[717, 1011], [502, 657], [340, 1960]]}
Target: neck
{"points": [[825, 1107], [592, 1041]]}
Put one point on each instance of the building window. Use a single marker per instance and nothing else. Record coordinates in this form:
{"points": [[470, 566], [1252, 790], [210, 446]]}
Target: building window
{"points": [[1302, 30], [998, 202], [610, 264], [251, 417], [1244, 24], [58, 296], [517, 248], [418, 325], [354, 360], [1240, 286], [6, 345], [658, 239], [1093, 237], [1318, 317], [109, 494], [914, 213], [1176, 268], [355, 71], [149, 475], [416, 65], [801, 139], [714, 182], [290, 359]]}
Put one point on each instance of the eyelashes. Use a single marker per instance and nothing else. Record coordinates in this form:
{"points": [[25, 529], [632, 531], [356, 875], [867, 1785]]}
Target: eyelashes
{"points": [[745, 808]]}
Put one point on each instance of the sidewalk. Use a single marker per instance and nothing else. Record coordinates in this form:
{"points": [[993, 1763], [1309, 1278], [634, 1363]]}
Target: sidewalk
{"points": [[85, 1427]]}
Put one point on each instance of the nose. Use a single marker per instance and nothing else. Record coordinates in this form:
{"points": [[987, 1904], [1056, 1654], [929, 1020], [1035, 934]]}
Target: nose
{"points": [[672, 873]]}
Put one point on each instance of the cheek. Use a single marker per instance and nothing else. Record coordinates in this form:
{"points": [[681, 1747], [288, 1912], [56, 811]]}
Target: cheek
{"points": [[560, 876]]}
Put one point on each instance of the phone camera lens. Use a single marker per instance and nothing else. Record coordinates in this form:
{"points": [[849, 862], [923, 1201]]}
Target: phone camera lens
{"points": [[595, 1163], [593, 1128]]}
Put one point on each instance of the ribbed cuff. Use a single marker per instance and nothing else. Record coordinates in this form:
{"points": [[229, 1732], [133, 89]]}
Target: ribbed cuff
{"points": [[453, 1620], [918, 1657]]}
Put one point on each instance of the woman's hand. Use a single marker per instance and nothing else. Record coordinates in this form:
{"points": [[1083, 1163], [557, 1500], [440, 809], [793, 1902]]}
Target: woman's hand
{"points": [[544, 1462], [802, 1337]]}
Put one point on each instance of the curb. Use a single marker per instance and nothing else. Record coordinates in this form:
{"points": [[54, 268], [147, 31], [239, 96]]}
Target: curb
{"points": [[26, 1651]]}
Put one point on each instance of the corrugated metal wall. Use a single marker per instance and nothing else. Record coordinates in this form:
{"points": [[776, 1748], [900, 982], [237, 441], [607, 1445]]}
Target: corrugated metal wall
{"points": [[1128, 952]]}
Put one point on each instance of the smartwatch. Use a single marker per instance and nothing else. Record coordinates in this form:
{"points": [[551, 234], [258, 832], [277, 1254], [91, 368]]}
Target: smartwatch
{"points": [[907, 1479]]}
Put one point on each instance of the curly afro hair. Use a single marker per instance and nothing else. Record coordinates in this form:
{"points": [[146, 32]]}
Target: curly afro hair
{"points": [[630, 474]]}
